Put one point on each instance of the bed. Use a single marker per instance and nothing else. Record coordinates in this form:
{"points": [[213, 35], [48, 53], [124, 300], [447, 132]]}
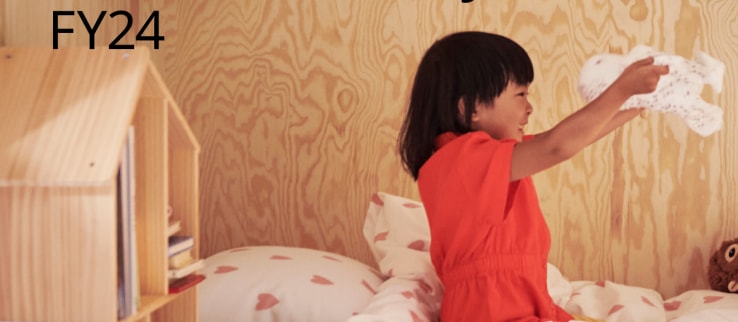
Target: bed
{"points": [[275, 283]]}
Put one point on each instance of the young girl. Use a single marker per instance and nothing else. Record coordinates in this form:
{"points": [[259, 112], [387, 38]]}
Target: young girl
{"points": [[463, 141]]}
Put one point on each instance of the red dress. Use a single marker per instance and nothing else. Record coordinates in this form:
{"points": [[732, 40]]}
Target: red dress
{"points": [[489, 240]]}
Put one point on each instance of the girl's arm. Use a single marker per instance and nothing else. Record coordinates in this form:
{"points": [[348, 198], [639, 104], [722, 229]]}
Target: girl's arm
{"points": [[618, 120], [588, 124]]}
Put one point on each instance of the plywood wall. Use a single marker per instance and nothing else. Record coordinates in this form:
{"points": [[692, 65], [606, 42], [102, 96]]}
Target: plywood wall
{"points": [[297, 105], [2, 22]]}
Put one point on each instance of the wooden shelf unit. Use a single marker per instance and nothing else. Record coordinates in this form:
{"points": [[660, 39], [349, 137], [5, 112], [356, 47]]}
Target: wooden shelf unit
{"points": [[64, 116]]}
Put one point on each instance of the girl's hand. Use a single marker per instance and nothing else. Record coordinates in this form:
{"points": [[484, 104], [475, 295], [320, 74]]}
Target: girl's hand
{"points": [[640, 77]]}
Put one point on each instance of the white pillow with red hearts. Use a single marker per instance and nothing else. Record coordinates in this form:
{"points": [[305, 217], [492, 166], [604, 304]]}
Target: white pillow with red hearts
{"points": [[397, 231], [276, 283], [398, 234]]}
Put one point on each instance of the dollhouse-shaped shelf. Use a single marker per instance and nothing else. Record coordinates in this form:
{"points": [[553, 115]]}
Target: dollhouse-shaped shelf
{"points": [[64, 117]]}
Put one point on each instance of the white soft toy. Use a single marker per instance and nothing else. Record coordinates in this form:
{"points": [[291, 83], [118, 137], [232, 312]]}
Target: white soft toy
{"points": [[678, 92]]}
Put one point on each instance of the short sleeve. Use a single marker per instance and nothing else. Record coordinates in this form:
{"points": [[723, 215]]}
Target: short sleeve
{"points": [[470, 175], [484, 172]]}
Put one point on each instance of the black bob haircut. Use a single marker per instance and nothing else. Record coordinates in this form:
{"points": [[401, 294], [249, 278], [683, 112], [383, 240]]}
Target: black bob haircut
{"points": [[471, 66]]}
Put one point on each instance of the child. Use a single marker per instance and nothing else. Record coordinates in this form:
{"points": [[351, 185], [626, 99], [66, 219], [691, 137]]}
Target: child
{"points": [[463, 141]]}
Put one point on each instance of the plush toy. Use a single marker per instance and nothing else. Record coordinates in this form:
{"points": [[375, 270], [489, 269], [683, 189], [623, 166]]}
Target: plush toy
{"points": [[722, 272], [678, 92]]}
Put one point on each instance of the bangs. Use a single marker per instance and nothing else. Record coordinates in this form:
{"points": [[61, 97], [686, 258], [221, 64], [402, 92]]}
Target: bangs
{"points": [[503, 62]]}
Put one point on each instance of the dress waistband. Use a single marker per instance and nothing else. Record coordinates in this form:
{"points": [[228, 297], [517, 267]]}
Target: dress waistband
{"points": [[484, 266]]}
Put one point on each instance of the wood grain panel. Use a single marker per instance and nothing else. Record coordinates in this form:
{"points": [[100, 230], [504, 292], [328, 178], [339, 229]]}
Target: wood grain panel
{"points": [[32, 291], [280, 130], [179, 310], [73, 86], [151, 137], [3, 21], [297, 105], [656, 226]]}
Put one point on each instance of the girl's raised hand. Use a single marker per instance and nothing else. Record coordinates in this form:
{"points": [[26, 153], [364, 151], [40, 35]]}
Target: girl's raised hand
{"points": [[640, 77]]}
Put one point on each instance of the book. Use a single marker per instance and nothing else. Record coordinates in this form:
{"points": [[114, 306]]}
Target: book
{"points": [[181, 259], [123, 260], [129, 292], [187, 270], [130, 163], [179, 244], [185, 283]]}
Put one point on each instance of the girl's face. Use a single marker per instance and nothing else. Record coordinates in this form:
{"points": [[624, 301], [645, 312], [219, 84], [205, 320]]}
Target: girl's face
{"points": [[506, 116]]}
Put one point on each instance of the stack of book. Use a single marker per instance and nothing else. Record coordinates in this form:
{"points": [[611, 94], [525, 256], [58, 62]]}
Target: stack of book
{"points": [[181, 262], [182, 265]]}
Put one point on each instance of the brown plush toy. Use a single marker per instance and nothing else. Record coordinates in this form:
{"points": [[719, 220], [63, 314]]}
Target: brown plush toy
{"points": [[722, 272]]}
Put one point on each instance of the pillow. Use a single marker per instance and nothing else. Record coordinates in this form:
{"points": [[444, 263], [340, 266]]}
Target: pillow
{"points": [[275, 283], [397, 231], [559, 287], [398, 235]]}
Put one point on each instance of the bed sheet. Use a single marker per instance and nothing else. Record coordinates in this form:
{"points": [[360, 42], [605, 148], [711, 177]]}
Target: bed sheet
{"points": [[402, 299], [614, 302]]}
